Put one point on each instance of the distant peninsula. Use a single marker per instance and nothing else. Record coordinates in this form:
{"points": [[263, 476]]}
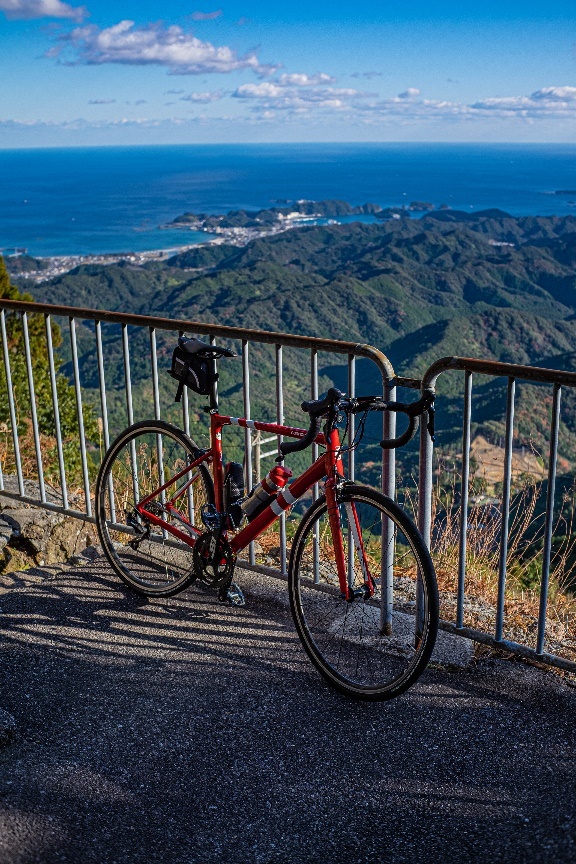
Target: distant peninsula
{"points": [[242, 226]]}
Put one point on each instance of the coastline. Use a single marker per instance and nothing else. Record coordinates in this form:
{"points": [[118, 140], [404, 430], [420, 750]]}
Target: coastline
{"points": [[58, 265], [241, 227], [99, 200]]}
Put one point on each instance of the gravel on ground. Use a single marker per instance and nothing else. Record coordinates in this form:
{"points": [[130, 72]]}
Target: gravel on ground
{"points": [[184, 731]]}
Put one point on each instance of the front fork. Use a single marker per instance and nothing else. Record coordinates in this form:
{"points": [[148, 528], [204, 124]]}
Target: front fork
{"points": [[366, 590]]}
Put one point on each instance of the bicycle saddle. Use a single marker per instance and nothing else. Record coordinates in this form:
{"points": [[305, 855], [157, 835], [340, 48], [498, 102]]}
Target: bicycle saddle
{"points": [[196, 346]]}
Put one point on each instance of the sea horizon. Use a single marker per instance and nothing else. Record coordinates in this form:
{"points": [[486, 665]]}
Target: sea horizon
{"points": [[109, 199]]}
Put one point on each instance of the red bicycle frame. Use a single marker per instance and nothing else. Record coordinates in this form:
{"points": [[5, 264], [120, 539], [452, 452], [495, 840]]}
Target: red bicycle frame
{"points": [[328, 466]]}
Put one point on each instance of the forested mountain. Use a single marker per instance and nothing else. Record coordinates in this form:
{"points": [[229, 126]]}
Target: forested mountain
{"points": [[485, 285]]}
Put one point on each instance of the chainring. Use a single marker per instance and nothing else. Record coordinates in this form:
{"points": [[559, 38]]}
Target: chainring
{"points": [[213, 559]]}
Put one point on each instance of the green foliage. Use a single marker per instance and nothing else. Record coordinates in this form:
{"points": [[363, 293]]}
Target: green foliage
{"points": [[418, 289], [43, 393]]}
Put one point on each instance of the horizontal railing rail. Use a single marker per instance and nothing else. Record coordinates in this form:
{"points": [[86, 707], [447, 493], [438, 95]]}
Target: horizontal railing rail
{"points": [[333, 346]]}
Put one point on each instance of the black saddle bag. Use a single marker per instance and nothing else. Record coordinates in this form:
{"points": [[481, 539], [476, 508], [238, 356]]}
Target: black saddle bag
{"points": [[193, 371]]}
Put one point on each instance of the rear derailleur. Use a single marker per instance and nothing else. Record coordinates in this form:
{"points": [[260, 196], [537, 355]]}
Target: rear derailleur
{"points": [[142, 532]]}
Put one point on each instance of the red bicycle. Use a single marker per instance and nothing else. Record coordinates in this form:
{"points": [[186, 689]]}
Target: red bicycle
{"points": [[361, 581]]}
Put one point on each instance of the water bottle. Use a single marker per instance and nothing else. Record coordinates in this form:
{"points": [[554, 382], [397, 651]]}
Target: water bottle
{"points": [[265, 491]]}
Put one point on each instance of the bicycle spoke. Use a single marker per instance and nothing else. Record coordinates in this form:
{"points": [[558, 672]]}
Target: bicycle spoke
{"points": [[343, 638], [149, 557]]}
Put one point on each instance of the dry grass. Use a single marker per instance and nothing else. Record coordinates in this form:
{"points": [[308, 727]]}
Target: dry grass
{"points": [[523, 563], [523, 567]]}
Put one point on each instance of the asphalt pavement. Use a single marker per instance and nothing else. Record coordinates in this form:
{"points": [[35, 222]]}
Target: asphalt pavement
{"points": [[188, 732]]}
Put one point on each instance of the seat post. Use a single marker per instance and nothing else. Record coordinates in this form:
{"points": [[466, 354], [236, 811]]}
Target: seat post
{"points": [[214, 385]]}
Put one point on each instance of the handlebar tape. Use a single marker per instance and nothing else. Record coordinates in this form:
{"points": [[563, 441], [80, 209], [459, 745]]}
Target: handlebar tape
{"points": [[302, 443], [413, 410], [320, 406]]}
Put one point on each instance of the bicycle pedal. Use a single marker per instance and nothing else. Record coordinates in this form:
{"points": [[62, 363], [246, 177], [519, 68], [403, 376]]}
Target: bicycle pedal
{"points": [[232, 595]]}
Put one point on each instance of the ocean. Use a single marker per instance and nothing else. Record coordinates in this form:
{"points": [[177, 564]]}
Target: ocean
{"points": [[86, 201]]}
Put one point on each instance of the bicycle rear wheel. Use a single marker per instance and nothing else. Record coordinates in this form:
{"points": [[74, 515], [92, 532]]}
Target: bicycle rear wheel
{"points": [[372, 648], [147, 558]]}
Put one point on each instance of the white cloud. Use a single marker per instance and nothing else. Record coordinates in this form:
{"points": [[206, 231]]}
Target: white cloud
{"points": [[300, 79], [552, 94], [299, 93], [266, 90], [101, 101], [410, 107], [42, 9], [203, 98], [281, 101], [181, 52], [546, 102], [206, 16]]}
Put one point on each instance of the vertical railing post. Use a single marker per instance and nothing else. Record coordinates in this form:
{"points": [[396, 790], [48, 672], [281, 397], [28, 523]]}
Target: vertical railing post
{"points": [[102, 386], [129, 409], [104, 410], [506, 488], [351, 461], [11, 405], [156, 399], [280, 421], [552, 461], [186, 425], [56, 407], [424, 511], [315, 488], [247, 432], [464, 499], [388, 539], [80, 414], [214, 386], [35, 429]]}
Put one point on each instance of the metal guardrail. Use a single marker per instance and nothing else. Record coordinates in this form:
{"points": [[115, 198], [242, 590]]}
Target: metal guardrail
{"points": [[312, 346], [510, 373]]}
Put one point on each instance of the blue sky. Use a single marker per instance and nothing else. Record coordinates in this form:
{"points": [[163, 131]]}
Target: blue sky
{"points": [[247, 70]]}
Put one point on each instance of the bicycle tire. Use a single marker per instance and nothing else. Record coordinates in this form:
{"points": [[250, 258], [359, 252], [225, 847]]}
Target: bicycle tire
{"points": [[161, 565], [344, 640]]}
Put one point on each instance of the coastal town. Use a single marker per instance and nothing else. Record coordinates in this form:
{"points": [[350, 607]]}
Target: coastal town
{"points": [[35, 269]]}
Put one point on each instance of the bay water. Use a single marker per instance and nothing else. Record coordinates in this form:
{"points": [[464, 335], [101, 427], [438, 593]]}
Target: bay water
{"points": [[82, 201]]}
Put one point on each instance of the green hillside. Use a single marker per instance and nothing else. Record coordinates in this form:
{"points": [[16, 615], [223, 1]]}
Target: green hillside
{"points": [[484, 285]]}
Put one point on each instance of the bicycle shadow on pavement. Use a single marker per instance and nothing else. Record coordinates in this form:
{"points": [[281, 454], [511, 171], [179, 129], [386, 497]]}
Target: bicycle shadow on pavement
{"points": [[180, 730]]}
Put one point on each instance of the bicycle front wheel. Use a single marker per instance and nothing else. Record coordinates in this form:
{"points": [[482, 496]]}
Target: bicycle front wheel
{"points": [[373, 648], [149, 559]]}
